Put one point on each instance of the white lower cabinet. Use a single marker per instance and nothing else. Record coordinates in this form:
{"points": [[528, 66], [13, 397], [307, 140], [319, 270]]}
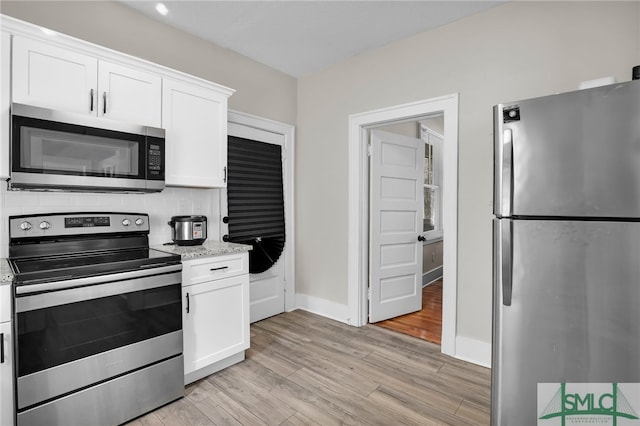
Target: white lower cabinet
{"points": [[215, 301], [6, 357]]}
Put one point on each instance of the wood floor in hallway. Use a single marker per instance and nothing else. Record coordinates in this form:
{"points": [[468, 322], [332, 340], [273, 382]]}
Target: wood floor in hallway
{"points": [[304, 369], [425, 324]]}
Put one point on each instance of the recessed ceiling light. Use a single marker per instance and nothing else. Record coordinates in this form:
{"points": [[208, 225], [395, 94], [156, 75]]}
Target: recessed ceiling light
{"points": [[162, 9]]}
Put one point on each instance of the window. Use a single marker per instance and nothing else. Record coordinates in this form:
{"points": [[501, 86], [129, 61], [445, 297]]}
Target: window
{"points": [[432, 219]]}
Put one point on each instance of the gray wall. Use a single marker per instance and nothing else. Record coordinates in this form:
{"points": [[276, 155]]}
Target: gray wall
{"points": [[514, 51], [260, 90]]}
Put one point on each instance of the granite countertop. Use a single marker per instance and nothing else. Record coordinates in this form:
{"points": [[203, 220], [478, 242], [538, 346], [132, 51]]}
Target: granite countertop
{"points": [[6, 276], [208, 249]]}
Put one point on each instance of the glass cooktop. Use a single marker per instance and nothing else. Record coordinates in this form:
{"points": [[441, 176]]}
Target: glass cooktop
{"points": [[54, 268]]}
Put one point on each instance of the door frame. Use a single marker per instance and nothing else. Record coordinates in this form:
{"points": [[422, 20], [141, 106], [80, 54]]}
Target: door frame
{"points": [[358, 202], [288, 132]]}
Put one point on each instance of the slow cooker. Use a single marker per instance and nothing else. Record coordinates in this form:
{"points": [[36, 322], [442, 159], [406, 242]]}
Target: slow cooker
{"points": [[188, 230]]}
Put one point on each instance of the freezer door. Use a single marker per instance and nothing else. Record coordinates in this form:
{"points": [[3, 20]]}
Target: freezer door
{"points": [[566, 308], [568, 155]]}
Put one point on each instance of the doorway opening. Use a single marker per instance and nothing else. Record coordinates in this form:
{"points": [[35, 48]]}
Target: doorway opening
{"points": [[272, 288], [425, 323], [359, 126]]}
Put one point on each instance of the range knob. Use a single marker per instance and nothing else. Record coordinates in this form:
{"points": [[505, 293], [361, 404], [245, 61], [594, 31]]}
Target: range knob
{"points": [[139, 221], [25, 226], [126, 222], [45, 225]]}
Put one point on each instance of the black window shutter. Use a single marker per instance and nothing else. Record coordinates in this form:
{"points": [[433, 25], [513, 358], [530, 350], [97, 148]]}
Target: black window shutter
{"points": [[256, 200]]}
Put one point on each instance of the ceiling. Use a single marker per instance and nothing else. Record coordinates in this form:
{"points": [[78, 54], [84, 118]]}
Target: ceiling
{"points": [[301, 37]]}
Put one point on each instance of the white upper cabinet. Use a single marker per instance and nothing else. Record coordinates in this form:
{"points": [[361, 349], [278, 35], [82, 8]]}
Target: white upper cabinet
{"points": [[195, 120], [66, 80], [129, 95], [52, 77]]}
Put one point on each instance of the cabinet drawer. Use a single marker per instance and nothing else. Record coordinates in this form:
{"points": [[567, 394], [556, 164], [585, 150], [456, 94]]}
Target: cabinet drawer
{"points": [[201, 270], [5, 302]]}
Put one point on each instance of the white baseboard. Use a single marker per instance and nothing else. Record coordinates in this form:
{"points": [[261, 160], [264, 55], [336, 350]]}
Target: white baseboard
{"points": [[326, 308], [474, 351]]}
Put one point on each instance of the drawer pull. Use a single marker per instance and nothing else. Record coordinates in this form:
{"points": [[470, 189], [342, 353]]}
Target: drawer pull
{"points": [[218, 269]]}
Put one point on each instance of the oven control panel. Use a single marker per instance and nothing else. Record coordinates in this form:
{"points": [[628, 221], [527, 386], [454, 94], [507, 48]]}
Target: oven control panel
{"points": [[86, 221], [26, 226]]}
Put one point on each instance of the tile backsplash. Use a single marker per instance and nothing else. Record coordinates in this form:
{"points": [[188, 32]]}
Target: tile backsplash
{"points": [[159, 206]]}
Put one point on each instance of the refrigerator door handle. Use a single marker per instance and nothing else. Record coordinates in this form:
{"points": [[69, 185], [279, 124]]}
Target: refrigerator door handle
{"points": [[506, 228], [507, 171]]}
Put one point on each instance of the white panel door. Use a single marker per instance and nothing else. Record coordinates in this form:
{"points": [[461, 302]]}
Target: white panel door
{"points": [[396, 211], [195, 120], [53, 77], [129, 95], [266, 290]]}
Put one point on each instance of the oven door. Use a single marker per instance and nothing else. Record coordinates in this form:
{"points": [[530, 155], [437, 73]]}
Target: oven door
{"points": [[72, 338], [53, 150]]}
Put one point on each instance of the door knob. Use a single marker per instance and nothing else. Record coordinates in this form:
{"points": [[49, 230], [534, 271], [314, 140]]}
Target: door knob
{"points": [[421, 238]]}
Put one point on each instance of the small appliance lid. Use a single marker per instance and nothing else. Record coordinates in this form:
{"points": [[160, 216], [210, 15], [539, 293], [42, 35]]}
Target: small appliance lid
{"points": [[188, 219]]}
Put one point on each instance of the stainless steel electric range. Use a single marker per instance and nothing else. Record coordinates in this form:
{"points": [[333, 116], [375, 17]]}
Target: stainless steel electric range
{"points": [[98, 321]]}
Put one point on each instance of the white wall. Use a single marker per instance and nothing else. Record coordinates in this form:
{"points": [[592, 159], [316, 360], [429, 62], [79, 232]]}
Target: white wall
{"points": [[514, 51]]}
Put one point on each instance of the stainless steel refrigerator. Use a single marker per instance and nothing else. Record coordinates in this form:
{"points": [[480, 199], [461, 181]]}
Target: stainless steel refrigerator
{"points": [[566, 274]]}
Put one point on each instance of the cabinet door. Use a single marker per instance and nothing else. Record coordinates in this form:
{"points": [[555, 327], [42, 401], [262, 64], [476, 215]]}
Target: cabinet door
{"points": [[215, 319], [5, 102], [6, 375], [195, 119], [53, 77], [432, 256], [128, 94]]}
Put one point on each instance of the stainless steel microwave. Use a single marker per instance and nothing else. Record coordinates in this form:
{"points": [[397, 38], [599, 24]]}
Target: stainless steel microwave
{"points": [[54, 150]]}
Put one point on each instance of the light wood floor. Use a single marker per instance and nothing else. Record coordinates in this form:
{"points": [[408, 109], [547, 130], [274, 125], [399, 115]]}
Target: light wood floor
{"points": [[426, 323], [303, 369]]}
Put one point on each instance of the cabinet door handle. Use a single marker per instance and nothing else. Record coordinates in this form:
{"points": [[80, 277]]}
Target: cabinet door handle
{"points": [[91, 99], [1, 348], [187, 296], [104, 102], [225, 174], [218, 269]]}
